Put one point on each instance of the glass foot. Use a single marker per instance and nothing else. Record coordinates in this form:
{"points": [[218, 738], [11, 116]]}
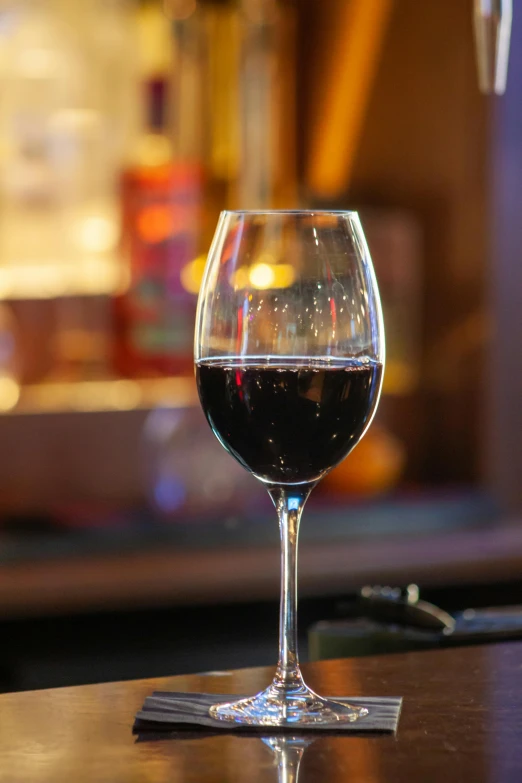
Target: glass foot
{"points": [[277, 706]]}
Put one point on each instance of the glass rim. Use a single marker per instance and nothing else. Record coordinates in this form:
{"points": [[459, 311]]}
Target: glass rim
{"points": [[347, 212]]}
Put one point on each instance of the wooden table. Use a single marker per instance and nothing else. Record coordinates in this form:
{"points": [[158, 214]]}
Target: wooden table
{"points": [[461, 721]]}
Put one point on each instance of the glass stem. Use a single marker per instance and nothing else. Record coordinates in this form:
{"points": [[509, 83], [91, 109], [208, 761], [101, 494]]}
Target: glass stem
{"points": [[289, 502], [288, 766]]}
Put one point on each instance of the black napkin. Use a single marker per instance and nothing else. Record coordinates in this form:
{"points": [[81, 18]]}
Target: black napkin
{"points": [[165, 709]]}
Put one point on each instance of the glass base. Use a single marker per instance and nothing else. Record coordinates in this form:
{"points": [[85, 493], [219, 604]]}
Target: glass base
{"points": [[279, 706]]}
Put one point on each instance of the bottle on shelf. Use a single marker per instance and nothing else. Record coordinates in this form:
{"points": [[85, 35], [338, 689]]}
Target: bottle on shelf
{"points": [[266, 100], [218, 134], [161, 206]]}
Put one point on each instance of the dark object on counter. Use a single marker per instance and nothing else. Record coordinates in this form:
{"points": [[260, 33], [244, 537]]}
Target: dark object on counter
{"points": [[390, 619], [171, 709]]}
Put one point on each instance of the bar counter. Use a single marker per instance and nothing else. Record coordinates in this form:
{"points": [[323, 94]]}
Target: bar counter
{"points": [[461, 721]]}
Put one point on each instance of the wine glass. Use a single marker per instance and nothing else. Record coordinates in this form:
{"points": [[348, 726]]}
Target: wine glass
{"points": [[289, 354]]}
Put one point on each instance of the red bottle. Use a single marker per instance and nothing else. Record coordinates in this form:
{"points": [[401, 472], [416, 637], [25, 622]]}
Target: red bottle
{"points": [[161, 219]]}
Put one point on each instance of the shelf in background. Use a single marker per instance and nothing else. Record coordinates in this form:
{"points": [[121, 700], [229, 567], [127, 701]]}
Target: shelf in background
{"points": [[91, 276], [432, 540], [159, 577], [96, 396], [119, 394]]}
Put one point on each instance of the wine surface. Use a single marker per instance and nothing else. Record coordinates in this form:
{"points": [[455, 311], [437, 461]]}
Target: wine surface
{"points": [[288, 420]]}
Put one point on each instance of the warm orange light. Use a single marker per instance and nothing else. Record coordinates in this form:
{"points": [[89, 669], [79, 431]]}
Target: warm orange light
{"points": [[156, 223], [263, 276], [339, 109], [94, 275], [192, 274], [9, 393], [239, 278], [79, 396], [97, 234]]}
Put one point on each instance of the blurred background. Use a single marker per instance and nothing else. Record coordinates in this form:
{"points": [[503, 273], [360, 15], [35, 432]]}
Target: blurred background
{"points": [[131, 544]]}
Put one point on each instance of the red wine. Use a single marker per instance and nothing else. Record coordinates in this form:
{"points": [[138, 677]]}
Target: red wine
{"points": [[288, 421]]}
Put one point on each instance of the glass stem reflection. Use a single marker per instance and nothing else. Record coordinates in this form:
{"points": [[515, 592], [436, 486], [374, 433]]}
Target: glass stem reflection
{"points": [[289, 502], [288, 751]]}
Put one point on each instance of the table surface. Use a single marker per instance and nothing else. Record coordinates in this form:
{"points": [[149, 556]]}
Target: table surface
{"points": [[461, 721]]}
